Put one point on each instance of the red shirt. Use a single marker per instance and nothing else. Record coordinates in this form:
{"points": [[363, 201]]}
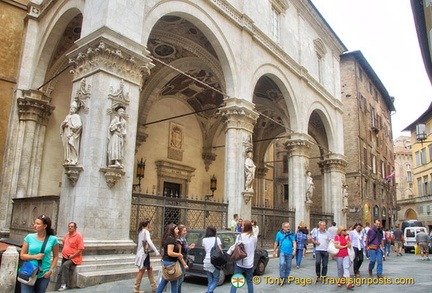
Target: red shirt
{"points": [[342, 241], [71, 244]]}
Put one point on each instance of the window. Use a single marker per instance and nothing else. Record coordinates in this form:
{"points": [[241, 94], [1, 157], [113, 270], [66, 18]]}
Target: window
{"points": [[360, 72], [374, 168], [425, 185], [409, 176], [275, 24], [320, 68], [320, 50], [417, 157], [430, 152], [419, 187], [365, 159], [285, 164], [423, 156], [374, 191], [286, 192], [375, 95], [370, 87]]}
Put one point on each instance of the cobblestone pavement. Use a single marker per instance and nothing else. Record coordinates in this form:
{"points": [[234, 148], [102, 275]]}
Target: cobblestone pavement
{"points": [[396, 269]]}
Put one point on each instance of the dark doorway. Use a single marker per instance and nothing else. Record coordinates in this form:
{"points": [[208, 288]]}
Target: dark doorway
{"points": [[171, 215]]}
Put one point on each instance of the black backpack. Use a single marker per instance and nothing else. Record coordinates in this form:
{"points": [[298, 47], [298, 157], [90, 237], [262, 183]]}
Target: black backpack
{"points": [[217, 257]]}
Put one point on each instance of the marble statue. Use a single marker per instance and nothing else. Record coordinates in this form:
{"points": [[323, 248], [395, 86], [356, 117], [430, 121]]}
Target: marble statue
{"points": [[345, 196], [117, 130], [250, 168], [70, 132], [310, 186]]}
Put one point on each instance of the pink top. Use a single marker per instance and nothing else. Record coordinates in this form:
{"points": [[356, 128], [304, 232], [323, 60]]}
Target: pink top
{"points": [[342, 241]]}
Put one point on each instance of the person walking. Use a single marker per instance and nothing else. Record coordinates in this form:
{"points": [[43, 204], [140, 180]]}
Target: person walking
{"points": [[321, 239], [398, 240], [375, 246], [422, 240], [343, 262], [313, 232], [245, 266], [255, 228], [358, 242], [31, 251], [73, 245], [365, 231], [172, 253], [142, 260], [213, 273], [285, 240], [301, 239], [233, 224], [185, 247]]}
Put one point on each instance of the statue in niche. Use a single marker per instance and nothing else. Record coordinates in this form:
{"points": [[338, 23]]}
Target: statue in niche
{"points": [[310, 186], [345, 196], [70, 132], [176, 137], [117, 130], [250, 168]]}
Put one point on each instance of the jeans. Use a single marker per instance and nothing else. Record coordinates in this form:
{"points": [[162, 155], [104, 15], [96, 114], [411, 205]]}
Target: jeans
{"points": [[213, 280], [163, 282], [39, 287], [285, 261], [321, 257], [248, 273], [180, 281], [387, 248], [376, 256], [358, 260], [299, 257]]}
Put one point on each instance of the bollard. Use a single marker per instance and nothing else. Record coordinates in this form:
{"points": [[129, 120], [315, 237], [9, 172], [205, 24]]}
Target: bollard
{"points": [[8, 270]]}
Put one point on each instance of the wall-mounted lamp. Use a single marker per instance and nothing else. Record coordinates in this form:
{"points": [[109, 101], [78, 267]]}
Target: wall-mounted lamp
{"points": [[139, 174], [213, 186]]}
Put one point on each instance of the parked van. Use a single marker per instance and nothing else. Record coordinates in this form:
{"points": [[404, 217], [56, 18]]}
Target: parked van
{"points": [[410, 234], [411, 223]]}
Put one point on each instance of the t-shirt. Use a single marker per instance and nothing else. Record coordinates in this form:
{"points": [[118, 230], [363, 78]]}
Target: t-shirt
{"points": [[376, 235], [35, 246], [342, 241], [250, 244], [71, 244], [285, 241], [208, 243], [422, 237], [233, 225], [301, 239], [398, 234], [323, 238], [170, 241]]}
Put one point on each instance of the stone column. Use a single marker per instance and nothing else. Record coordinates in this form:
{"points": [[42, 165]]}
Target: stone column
{"points": [[100, 200], [298, 160], [334, 175], [8, 269], [240, 120]]}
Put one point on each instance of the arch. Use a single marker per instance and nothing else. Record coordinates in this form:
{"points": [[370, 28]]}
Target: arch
{"points": [[51, 34], [410, 214], [207, 24], [319, 109]]}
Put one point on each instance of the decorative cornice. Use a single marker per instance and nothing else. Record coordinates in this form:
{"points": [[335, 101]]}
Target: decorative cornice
{"points": [[173, 170], [35, 107], [102, 54]]}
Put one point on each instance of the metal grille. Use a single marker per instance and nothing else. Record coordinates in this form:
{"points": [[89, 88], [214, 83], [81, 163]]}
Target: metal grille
{"points": [[270, 222], [195, 214], [315, 218]]}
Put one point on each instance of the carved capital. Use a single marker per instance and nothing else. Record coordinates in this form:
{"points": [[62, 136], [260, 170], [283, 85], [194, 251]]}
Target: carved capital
{"points": [[102, 54], [72, 173], [329, 165], [112, 175], [239, 114], [34, 106], [298, 147]]}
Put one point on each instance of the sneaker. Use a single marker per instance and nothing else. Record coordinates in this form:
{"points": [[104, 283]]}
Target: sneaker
{"points": [[380, 276], [62, 288], [297, 267]]}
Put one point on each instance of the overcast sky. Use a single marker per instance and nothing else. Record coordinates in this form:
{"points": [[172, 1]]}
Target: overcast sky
{"points": [[384, 31]]}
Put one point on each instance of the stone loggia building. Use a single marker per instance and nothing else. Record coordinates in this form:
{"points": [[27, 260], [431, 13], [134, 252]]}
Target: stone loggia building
{"points": [[260, 76]]}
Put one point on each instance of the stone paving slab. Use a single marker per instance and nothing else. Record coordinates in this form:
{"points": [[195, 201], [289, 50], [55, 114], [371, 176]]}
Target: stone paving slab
{"points": [[407, 266]]}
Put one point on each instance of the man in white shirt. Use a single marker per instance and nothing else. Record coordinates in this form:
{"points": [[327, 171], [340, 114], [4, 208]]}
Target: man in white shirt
{"points": [[321, 239]]}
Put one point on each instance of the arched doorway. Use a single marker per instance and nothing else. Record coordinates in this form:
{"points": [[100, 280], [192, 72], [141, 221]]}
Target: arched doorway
{"points": [[410, 214]]}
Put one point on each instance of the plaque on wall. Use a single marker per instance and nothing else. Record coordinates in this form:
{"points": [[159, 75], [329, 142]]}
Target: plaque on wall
{"points": [[175, 141]]}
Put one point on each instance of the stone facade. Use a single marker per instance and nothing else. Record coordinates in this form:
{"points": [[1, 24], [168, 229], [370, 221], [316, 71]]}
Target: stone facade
{"points": [[368, 142]]}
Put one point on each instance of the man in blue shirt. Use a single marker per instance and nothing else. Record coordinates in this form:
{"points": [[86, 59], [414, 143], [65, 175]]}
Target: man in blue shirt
{"points": [[285, 240], [375, 246]]}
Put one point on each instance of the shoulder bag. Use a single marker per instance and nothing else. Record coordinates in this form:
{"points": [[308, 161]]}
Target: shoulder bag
{"points": [[239, 251], [28, 272], [217, 257], [332, 248], [172, 272], [145, 245]]}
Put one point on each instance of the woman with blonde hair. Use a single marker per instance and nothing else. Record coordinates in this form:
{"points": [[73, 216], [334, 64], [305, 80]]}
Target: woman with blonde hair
{"points": [[343, 262], [145, 246], [245, 266]]}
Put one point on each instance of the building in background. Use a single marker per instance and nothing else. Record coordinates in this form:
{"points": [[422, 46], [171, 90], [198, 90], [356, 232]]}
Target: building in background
{"points": [[368, 143], [421, 148], [404, 179]]}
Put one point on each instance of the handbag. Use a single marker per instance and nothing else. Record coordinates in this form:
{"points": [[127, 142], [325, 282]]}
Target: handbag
{"points": [[146, 246], [217, 257], [28, 273], [172, 272], [351, 253], [332, 248], [239, 251], [189, 262]]}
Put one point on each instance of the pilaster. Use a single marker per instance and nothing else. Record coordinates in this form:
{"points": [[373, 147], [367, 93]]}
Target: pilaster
{"points": [[240, 119]]}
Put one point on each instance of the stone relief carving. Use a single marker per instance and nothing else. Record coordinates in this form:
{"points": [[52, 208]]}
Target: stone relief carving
{"points": [[70, 132], [176, 142], [82, 94]]}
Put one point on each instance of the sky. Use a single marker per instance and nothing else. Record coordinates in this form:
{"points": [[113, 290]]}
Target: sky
{"points": [[384, 31]]}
